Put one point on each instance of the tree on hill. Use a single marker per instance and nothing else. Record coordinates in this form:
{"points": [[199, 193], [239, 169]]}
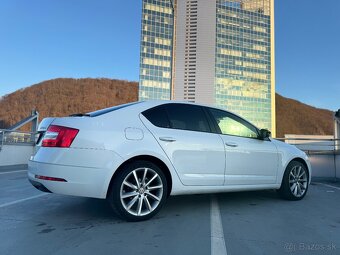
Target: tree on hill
{"points": [[62, 97]]}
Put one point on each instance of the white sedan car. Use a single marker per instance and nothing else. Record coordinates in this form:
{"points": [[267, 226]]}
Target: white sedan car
{"points": [[136, 155]]}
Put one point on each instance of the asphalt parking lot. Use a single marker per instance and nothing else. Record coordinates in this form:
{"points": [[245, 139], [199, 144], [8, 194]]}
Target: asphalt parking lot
{"points": [[32, 222]]}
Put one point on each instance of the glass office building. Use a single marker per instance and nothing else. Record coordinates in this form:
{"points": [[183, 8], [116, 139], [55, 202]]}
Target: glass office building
{"points": [[243, 59], [156, 50], [217, 52]]}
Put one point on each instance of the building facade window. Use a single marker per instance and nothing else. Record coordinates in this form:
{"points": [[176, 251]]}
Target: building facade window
{"points": [[243, 56], [155, 75], [239, 66]]}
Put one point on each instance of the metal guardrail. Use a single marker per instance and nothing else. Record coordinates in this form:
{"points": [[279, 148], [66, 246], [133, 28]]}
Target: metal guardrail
{"points": [[10, 137], [318, 147], [315, 145]]}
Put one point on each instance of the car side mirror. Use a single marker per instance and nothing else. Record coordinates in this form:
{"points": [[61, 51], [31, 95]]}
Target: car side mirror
{"points": [[264, 134]]}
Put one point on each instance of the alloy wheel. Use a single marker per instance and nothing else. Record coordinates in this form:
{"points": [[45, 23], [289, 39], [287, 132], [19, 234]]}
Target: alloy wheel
{"points": [[298, 181], [141, 191]]}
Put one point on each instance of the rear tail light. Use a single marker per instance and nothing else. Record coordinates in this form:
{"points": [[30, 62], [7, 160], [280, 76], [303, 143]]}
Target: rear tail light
{"points": [[59, 136], [48, 178]]}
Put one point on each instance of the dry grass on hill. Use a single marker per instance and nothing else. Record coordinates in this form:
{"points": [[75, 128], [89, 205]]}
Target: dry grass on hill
{"points": [[62, 97], [294, 117]]}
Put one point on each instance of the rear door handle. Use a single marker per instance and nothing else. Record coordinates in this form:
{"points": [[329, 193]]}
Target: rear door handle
{"points": [[231, 144], [167, 139]]}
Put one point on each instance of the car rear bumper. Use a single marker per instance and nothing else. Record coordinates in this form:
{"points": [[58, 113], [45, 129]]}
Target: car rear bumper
{"points": [[81, 179], [39, 186]]}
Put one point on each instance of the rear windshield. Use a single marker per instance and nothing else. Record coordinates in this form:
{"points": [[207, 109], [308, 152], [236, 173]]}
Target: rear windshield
{"points": [[111, 109]]}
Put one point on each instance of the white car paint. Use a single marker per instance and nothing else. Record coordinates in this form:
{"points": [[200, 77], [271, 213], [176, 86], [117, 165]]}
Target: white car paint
{"points": [[192, 154], [197, 162], [251, 162]]}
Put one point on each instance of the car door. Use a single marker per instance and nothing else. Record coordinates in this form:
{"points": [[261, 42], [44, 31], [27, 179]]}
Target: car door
{"points": [[184, 133], [249, 160]]}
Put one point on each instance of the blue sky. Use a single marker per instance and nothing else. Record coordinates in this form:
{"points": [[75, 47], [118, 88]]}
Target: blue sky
{"points": [[45, 39]]}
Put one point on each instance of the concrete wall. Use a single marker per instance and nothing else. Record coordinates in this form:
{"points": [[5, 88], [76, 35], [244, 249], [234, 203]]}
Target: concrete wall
{"points": [[325, 166], [206, 45], [15, 154], [195, 51]]}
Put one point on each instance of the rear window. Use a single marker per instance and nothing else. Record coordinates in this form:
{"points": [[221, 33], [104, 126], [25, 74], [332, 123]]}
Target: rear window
{"points": [[187, 117], [178, 116], [157, 116], [111, 109]]}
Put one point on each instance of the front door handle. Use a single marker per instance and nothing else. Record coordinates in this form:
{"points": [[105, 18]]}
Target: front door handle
{"points": [[167, 139], [231, 144]]}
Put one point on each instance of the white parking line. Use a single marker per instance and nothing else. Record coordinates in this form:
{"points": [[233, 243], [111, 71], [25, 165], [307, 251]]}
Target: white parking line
{"points": [[327, 185], [218, 246], [22, 200], [10, 172]]}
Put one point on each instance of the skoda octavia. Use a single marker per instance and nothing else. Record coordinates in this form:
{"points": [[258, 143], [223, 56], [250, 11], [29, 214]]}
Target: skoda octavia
{"points": [[136, 155]]}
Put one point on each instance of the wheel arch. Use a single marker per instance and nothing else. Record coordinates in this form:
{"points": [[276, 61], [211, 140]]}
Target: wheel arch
{"points": [[302, 161], [149, 158]]}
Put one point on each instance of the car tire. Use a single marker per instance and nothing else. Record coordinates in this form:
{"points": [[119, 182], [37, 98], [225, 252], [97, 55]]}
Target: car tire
{"points": [[295, 181], [138, 191]]}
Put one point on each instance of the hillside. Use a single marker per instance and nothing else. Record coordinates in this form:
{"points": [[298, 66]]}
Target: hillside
{"points": [[61, 97], [294, 117]]}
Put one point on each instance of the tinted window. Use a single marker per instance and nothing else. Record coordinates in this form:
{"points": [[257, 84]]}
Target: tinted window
{"points": [[230, 124], [187, 117], [157, 116]]}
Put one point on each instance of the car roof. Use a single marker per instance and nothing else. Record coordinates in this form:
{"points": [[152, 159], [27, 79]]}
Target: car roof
{"points": [[153, 103], [140, 106]]}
